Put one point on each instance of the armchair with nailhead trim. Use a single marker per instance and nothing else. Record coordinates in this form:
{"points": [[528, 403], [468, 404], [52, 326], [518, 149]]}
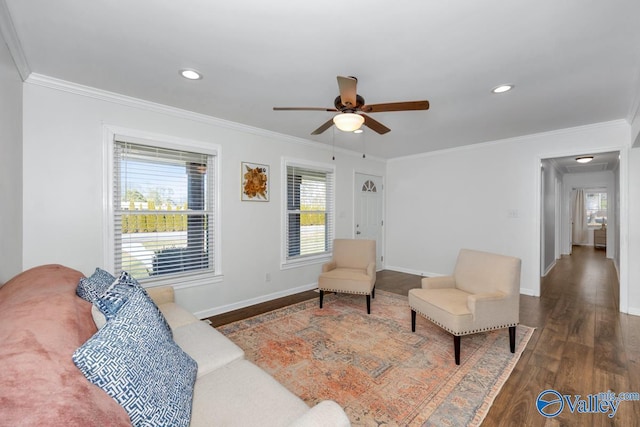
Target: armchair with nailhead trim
{"points": [[483, 294]]}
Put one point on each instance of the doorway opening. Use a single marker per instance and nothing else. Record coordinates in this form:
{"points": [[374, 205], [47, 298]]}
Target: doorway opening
{"points": [[580, 206]]}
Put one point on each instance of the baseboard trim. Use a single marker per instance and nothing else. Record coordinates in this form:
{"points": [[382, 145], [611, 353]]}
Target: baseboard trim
{"points": [[529, 292], [634, 311], [411, 271], [253, 301], [553, 264]]}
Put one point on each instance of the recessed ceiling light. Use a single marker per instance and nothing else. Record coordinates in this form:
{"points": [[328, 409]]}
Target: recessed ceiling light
{"points": [[584, 159], [190, 74], [502, 88], [358, 131]]}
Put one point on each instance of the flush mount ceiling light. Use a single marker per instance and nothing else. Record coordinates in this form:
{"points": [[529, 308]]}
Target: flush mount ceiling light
{"points": [[584, 159], [190, 74], [348, 122], [502, 88]]}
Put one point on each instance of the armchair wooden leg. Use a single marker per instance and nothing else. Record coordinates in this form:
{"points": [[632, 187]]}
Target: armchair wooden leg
{"points": [[373, 292], [456, 348], [321, 297], [512, 338], [368, 304], [413, 320]]}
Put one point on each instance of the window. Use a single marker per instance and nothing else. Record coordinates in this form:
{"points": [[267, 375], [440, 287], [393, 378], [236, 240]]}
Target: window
{"points": [[596, 207], [162, 211], [309, 211]]}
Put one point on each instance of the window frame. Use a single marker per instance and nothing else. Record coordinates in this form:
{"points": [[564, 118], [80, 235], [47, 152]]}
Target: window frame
{"points": [[597, 190], [304, 260], [179, 280]]}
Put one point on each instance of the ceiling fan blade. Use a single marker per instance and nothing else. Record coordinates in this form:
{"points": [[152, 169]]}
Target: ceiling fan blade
{"points": [[347, 86], [326, 125], [396, 106], [303, 109], [375, 125]]}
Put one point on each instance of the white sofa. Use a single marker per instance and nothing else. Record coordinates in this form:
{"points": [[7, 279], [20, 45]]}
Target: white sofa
{"points": [[230, 390], [63, 360]]}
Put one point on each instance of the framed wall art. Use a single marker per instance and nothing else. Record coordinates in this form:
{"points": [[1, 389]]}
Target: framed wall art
{"points": [[255, 182]]}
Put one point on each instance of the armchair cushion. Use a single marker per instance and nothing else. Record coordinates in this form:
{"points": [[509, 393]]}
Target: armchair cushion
{"points": [[446, 308], [353, 253], [479, 272]]}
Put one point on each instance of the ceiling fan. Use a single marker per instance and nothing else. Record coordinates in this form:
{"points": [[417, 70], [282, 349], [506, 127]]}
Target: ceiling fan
{"points": [[352, 109]]}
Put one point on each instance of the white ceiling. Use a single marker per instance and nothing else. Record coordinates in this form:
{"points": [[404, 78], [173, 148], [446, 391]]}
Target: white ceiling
{"points": [[601, 162], [573, 62]]}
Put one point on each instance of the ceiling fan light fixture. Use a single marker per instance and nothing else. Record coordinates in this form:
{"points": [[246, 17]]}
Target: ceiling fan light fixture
{"points": [[584, 159], [348, 122]]}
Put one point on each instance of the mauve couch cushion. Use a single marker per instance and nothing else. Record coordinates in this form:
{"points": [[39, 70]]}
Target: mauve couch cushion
{"points": [[42, 322]]}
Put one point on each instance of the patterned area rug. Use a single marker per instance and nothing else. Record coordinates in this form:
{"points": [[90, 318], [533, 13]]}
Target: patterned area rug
{"points": [[380, 372]]}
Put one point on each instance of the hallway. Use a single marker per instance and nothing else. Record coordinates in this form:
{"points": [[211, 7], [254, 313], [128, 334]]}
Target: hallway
{"points": [[582, 345]]}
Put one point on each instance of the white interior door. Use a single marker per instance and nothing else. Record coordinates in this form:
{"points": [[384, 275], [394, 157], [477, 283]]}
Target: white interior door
{"points": [[368, 212]]}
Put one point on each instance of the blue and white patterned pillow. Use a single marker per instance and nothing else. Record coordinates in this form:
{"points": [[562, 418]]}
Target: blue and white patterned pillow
{"points": [[90, 288], [135, 360], [114, 297]]}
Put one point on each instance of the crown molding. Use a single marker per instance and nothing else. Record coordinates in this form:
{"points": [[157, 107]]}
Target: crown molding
{"points": [[128, 101], [520, 139], [13, 42]]}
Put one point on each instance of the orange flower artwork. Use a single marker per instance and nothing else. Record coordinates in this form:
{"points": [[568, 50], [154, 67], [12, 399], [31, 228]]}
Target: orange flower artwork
{"points": [[255, 182]]}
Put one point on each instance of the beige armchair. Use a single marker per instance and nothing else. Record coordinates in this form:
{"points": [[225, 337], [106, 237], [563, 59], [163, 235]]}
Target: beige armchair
{"points": [[352, 269], [482, 294]]}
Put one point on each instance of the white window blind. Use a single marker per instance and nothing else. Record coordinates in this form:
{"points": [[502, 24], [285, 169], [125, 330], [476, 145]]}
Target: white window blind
{"points": [[310, 218], [163, 211]]}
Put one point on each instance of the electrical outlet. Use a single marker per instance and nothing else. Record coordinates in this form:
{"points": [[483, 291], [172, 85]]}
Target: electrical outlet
{"points": [[267, 277]]}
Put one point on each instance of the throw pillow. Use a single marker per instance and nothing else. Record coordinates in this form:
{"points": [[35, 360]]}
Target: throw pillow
{"points": [[135, 360], [110, 301], [90, 288]]}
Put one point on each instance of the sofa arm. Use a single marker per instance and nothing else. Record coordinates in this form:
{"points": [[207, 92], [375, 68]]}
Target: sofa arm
{"points": [[161, 294], [328, 266], [439, 282], [487, 305], [325, 414]]}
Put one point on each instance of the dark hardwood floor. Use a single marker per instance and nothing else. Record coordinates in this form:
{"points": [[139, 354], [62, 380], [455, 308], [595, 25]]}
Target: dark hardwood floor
{"points": [[582, 343]]}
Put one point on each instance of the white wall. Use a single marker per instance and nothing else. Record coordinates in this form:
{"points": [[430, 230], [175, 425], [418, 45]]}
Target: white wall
{"points": [[63, 151], [10, 166], [549, 176], [632, 240], [484, 196]]}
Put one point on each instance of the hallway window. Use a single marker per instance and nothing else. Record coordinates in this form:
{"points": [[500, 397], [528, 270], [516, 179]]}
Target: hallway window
{"points": [[596, 208]]}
